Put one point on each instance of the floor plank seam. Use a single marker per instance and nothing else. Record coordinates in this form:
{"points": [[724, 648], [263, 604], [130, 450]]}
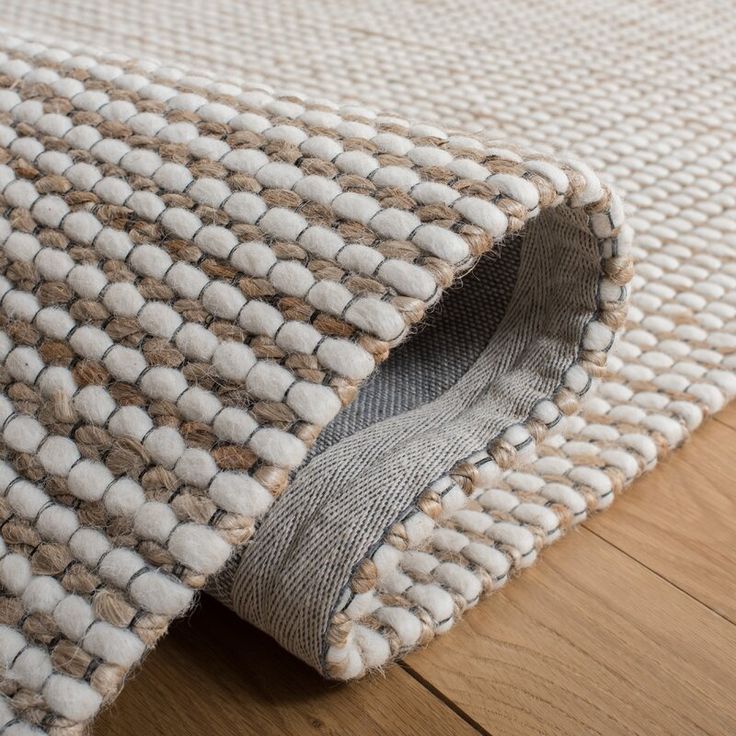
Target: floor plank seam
{"points": [[717, 418], [659, 575], [451, 704]]}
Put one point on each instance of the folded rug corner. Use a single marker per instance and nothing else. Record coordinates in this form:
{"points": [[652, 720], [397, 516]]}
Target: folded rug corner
{"points": [[302, 356]]}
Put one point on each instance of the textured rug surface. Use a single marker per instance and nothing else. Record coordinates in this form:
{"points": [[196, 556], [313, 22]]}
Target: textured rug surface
{"points": [[198, 274]]}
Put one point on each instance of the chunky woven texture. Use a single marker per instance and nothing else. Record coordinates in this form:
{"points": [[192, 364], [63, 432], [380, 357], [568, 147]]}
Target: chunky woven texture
{"points": [[642, 92], [196, 278]]}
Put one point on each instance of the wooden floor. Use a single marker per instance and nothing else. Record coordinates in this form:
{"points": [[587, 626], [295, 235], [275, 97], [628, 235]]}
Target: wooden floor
{"points": [[626, 626]]}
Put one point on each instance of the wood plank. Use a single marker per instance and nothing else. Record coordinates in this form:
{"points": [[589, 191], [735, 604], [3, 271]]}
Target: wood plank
{"points": [[588, 642], [215, 675], [680, 520], [727, 416]]}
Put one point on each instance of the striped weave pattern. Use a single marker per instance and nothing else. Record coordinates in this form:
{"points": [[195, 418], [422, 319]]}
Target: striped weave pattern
{"points": [[196, 278], [644, 92]]}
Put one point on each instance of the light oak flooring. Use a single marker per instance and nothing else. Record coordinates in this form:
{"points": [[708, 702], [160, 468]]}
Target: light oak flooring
{"points": [[626, 626]]}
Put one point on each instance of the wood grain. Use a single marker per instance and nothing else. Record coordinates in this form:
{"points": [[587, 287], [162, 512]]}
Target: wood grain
{"points": [[590, 642], [680, 520], [727, 416], [214, 675], [622, 628]]}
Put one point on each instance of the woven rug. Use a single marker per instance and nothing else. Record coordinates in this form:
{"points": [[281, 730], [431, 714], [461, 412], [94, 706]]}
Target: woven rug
{"points": [[330, 362]]}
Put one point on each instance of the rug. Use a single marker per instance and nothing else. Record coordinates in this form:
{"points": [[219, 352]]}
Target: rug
{"points": [[199, 273]]}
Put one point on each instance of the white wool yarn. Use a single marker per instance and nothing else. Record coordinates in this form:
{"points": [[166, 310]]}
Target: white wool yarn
{"points": [[191, 544], [673, 172]]}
